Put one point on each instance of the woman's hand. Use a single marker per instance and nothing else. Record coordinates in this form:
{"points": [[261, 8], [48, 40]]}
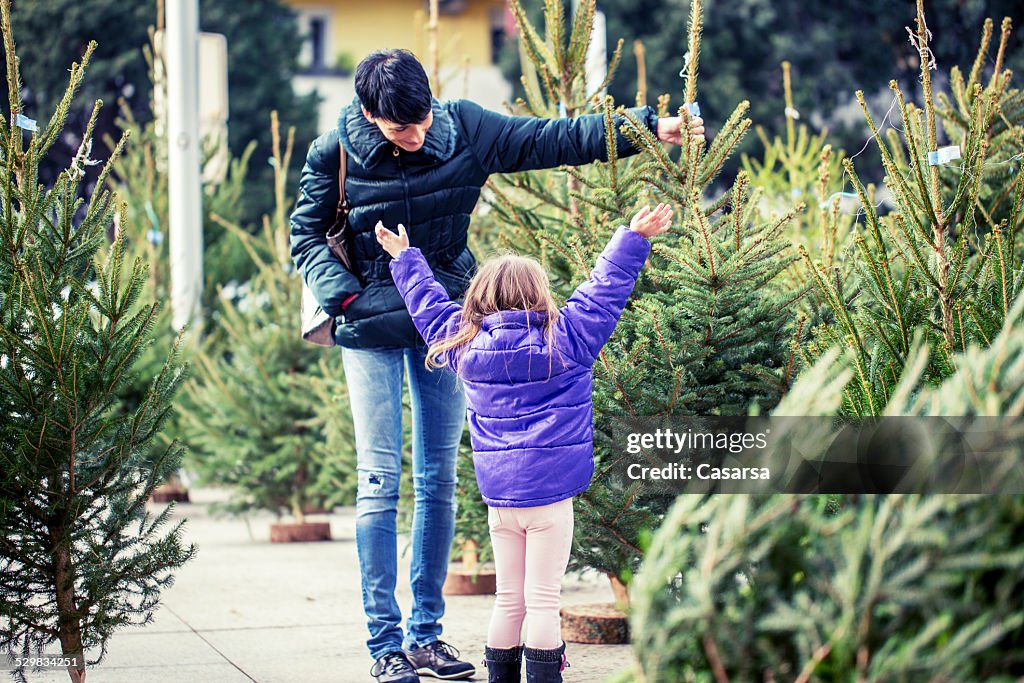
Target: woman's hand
{"points": [[392, 243], [650, 223], [670, 129]]}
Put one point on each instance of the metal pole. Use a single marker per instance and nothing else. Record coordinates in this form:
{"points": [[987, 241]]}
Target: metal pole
{"points": [[432, 49], [596, 62], [183, 157]]}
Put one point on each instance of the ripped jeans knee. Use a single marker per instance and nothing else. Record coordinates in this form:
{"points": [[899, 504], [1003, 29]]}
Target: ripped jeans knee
{"points": [[376, 491]]}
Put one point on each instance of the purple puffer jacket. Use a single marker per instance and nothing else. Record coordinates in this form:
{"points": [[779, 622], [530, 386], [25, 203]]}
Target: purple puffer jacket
{"points": [[531, 425]]}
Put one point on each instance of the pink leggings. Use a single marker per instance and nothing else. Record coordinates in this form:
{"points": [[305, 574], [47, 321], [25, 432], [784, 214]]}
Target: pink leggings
{"points": [[531, 550]]}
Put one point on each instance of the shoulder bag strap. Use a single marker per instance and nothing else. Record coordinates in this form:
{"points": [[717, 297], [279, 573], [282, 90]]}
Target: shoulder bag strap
{"points": [[342, 168]]}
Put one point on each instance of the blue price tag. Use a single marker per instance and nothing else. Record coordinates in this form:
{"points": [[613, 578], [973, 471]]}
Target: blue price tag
{"points": [[25, 123], [943, 155]]}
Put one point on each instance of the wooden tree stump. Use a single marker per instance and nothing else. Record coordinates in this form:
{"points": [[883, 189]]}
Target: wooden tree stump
{"points": [[596, 623], [300, 533], [169, 493]]}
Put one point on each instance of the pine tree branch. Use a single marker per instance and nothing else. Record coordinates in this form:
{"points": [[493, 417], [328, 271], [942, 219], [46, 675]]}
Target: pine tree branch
{"points": [[970, 179], [537, 49], [644, 139], [959, 263], [880, 273], [926, 60], [579, 38], [722, 147], [910, 241], [695, 30], [590, 200], [892, 165]]}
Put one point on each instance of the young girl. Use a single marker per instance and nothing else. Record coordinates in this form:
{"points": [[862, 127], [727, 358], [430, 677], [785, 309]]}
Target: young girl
{"points": [[526, 366]]}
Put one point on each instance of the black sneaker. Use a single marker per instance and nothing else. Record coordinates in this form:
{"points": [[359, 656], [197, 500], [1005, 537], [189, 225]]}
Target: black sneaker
{"points": [[440, 660], [394, 667]]}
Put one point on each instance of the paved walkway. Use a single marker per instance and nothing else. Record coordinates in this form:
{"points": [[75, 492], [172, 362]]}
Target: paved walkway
{"points": [[247, 610]]}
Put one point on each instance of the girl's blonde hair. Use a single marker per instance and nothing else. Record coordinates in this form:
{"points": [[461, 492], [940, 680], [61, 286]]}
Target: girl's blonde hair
{"points": [[506, 283]]}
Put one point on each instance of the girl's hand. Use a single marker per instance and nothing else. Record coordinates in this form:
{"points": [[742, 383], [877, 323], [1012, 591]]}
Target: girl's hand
{"points": [[650, 223], [392, 243]]}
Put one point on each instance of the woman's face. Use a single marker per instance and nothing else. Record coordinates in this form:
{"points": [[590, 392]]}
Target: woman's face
{"points": [[408, 136]]}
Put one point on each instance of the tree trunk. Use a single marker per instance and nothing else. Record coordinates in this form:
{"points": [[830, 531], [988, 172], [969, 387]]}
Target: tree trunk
{"points": [[69, 625], [621, 592], [641, 73], [470, 555], [470, 577], [299, 495]]}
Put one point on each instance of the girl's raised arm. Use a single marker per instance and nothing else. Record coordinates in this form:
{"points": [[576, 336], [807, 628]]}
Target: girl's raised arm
{"points": [[594, 308], [433, 312]]}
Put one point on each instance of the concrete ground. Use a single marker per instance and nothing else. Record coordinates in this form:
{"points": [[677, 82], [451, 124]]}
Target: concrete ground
{"points": [[248, 610]]}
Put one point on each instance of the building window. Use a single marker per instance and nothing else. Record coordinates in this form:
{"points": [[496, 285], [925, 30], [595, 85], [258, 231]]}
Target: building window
{"points": [[498, 32], [316, 46], [317, 43], [450, 6]]}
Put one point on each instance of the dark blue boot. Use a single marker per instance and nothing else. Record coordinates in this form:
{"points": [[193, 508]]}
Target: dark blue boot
{"points": [[545, 666], [504, 665]]}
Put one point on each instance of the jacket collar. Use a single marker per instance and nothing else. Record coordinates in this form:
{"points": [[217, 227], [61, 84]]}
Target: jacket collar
{"points": [[368, 146], [514, 319]]}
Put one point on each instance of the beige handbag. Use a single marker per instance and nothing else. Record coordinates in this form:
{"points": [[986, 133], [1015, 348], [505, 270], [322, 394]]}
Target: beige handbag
{"points": [[317, 325]]}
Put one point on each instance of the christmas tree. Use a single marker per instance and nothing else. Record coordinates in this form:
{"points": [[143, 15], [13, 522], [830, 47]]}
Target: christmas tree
{"points": [[929, 321], [251, 414], [891, 588], [139, 177], [708, 329], [943, 263], [1002, 125], [80, 555], [802, 166], [880, 587]]}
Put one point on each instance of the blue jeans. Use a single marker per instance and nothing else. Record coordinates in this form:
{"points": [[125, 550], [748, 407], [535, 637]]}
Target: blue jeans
{"points": [[375, 379]]}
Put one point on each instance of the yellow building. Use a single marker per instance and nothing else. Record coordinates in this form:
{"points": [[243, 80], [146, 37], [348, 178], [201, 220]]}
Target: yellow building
{"points": [[354, 28], [339, 33]]}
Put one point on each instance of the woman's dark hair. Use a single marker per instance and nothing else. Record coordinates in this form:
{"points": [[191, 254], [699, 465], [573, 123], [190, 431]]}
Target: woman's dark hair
{"points": [[392, 85]]}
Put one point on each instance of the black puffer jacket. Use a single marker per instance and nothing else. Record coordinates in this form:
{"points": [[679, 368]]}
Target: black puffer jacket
{"points": [[431, 191]]}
